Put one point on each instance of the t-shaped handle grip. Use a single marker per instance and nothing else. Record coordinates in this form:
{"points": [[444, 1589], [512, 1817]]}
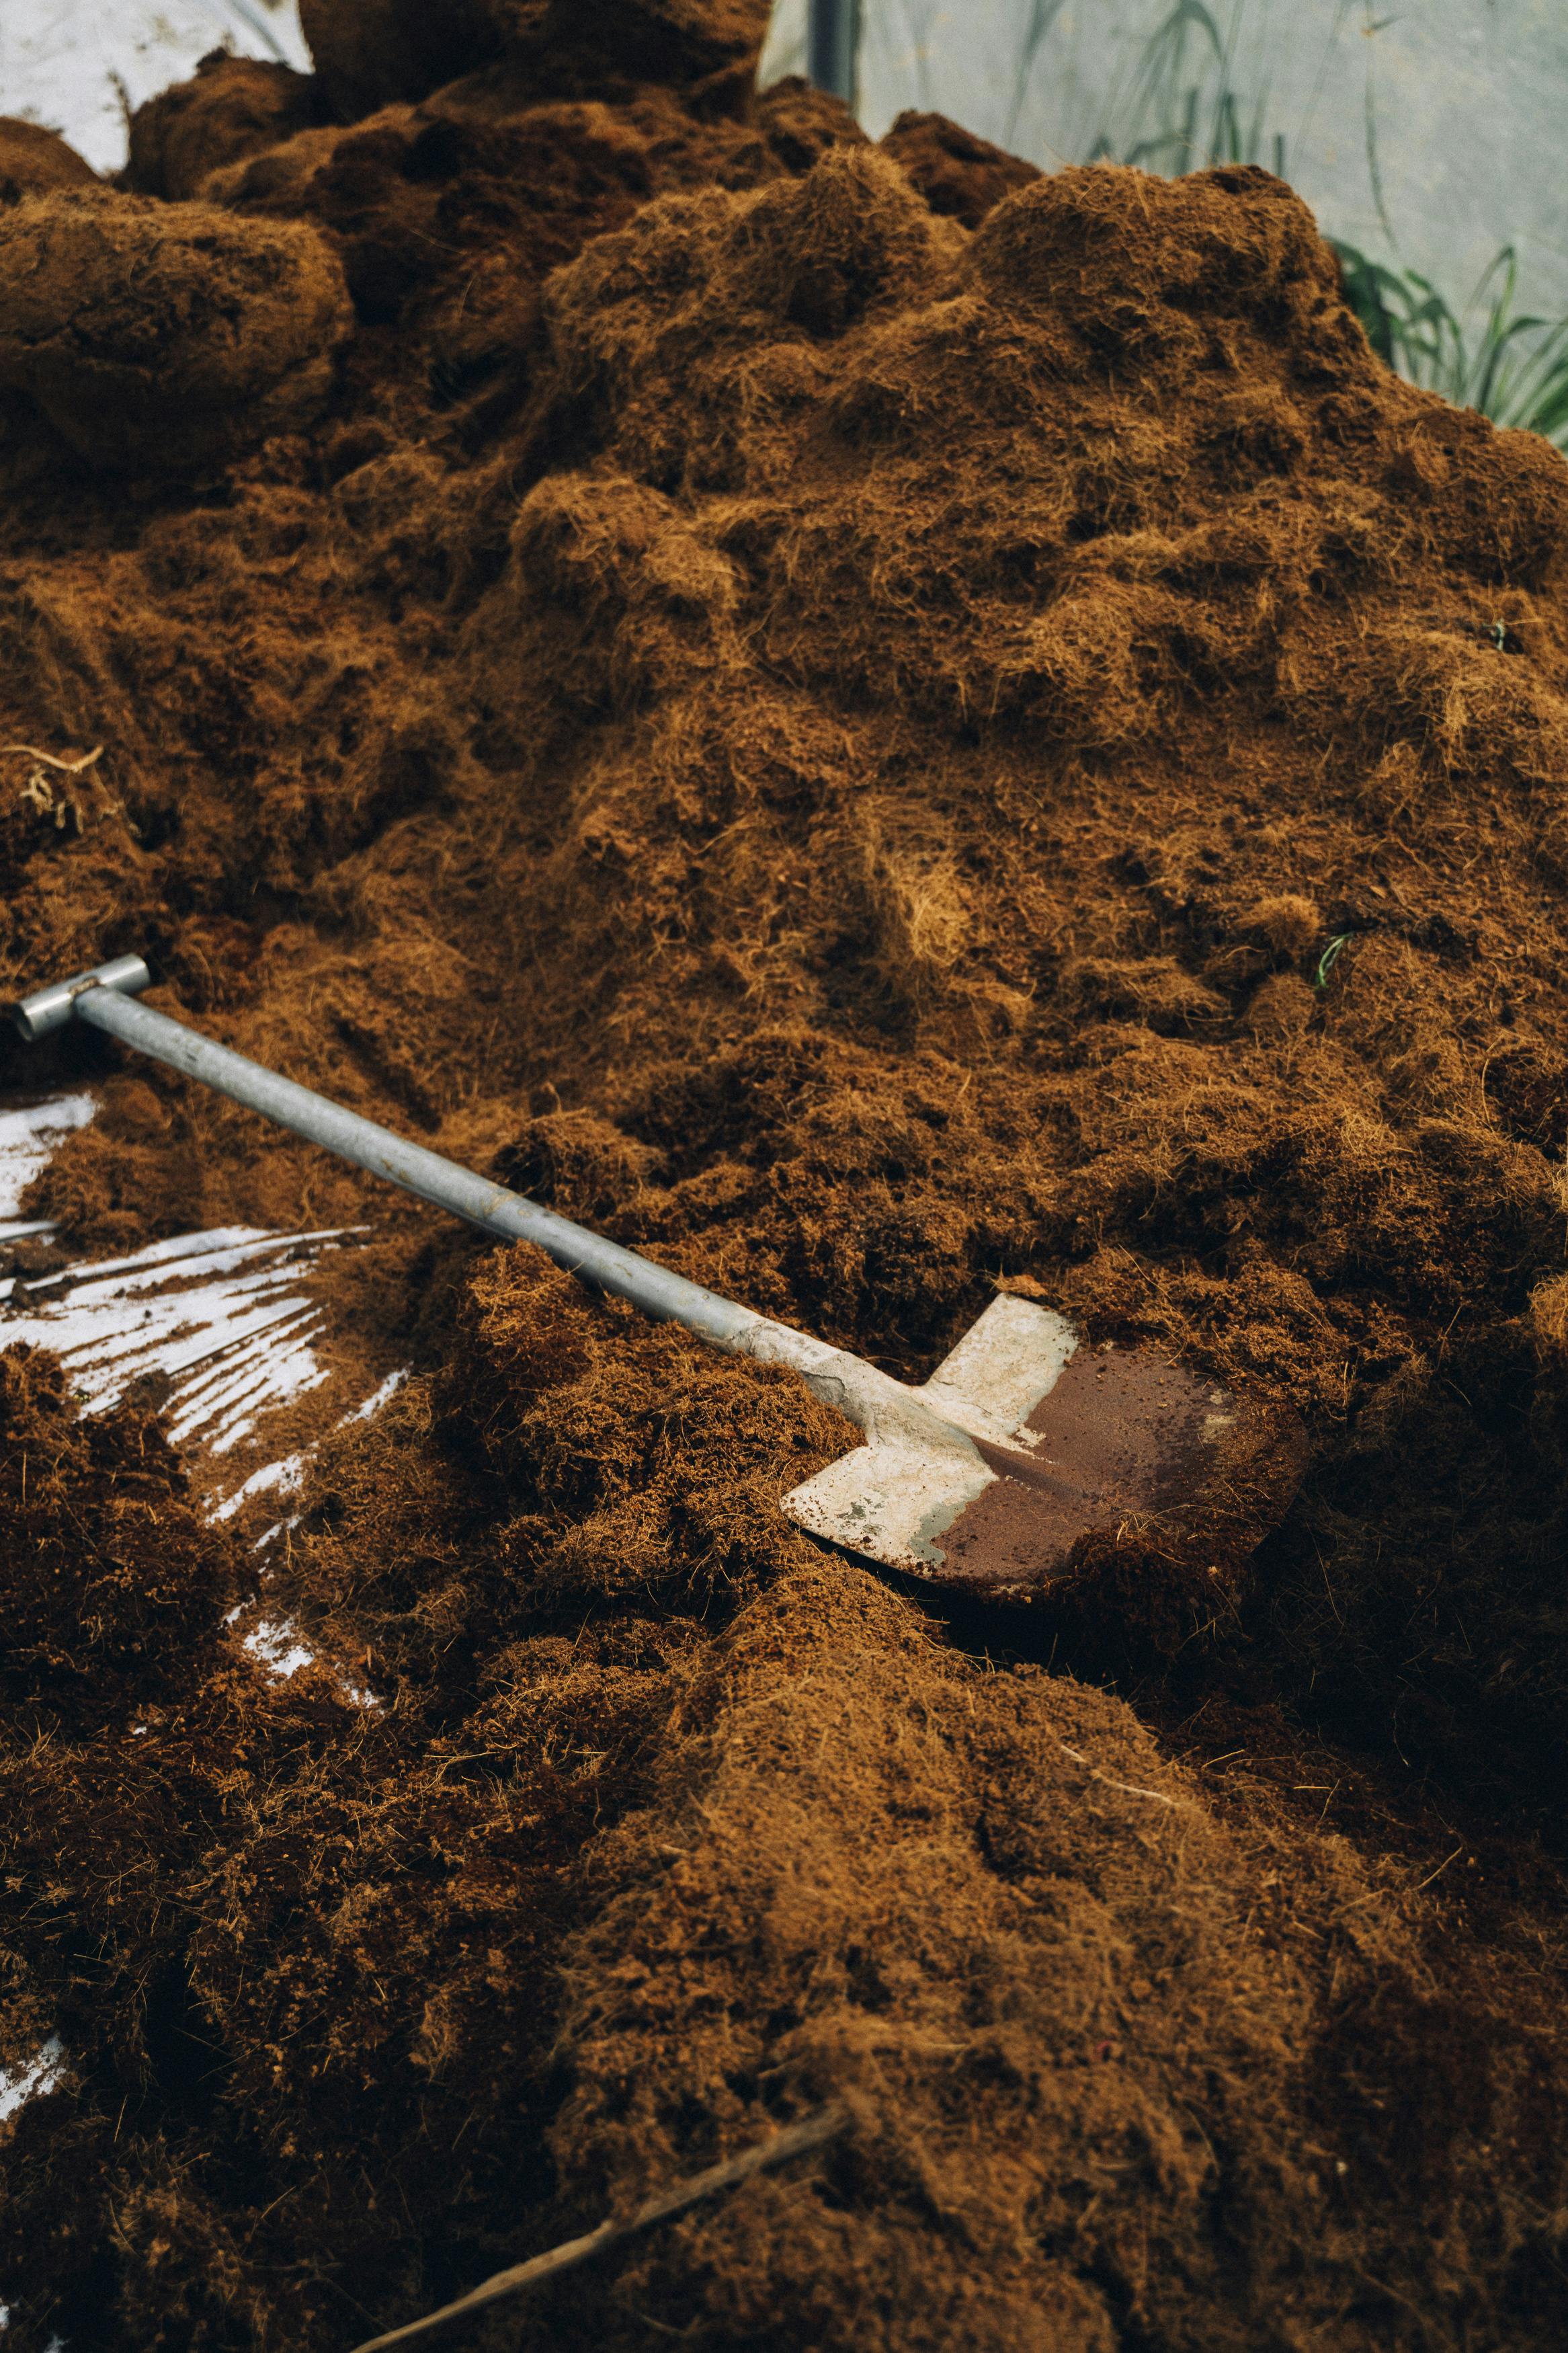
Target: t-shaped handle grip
{"points": [[51, 1008]]}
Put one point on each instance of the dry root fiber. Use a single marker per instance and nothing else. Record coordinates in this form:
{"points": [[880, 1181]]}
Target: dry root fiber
{"points": [[873, 723]]}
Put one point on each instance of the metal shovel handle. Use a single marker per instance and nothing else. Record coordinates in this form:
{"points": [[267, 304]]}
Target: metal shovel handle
{"points": [[105, 997]]}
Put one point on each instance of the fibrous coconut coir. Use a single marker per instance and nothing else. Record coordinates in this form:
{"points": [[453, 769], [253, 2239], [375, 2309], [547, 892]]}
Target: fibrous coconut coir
{"points": [[873, 736]]}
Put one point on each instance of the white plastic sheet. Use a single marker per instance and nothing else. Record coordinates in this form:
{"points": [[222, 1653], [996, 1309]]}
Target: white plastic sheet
{"points": [[226, 1317]]}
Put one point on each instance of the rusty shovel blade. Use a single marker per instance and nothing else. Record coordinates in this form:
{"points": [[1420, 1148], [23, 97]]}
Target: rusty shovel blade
{"points": [[1041, 1450]]}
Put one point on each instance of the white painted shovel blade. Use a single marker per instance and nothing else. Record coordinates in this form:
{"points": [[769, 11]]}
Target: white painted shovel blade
{"points": [[891, 1503], [1008, 1360]]}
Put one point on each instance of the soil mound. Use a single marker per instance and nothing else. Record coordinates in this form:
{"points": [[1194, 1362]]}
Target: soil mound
{"points": [[235, 107], [113, 1588], [152, 343], [373, 53], [1017, 1940], [33, 159], [449, 215], [957, 172], [376, 53], [873, 738]]}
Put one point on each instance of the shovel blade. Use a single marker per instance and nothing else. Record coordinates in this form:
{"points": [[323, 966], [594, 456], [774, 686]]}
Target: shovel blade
{"points": [[1094, 1447]]}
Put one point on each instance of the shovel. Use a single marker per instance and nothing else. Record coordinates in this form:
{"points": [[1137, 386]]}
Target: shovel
{"points": [[1025, 1455]]}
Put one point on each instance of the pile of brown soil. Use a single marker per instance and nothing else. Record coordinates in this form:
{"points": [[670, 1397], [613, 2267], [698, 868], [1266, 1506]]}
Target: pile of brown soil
{"points": [[874, 724]]}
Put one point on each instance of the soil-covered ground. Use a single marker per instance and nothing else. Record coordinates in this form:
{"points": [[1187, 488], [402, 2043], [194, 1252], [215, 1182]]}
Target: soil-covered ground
{"points": [[878, 726]]}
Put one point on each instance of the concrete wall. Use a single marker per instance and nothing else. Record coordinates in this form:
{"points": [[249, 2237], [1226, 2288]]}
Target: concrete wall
{"points": [[1466, 100]]}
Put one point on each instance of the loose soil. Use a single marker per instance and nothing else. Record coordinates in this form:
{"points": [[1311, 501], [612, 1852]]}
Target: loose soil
{"points": [[877, 725]]}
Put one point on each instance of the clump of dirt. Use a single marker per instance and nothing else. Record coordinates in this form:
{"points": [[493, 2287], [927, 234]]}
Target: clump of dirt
{"points": [[152, 343], [875, 725], [113, 1592], [34, 159], [235, 107], [957, 172], [373, 53]]}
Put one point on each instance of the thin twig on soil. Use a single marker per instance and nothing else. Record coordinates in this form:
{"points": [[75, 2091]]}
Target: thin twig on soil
{"points": [[1128, 1788], [1442, 1867], [810, 2132], [66, 768]]}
